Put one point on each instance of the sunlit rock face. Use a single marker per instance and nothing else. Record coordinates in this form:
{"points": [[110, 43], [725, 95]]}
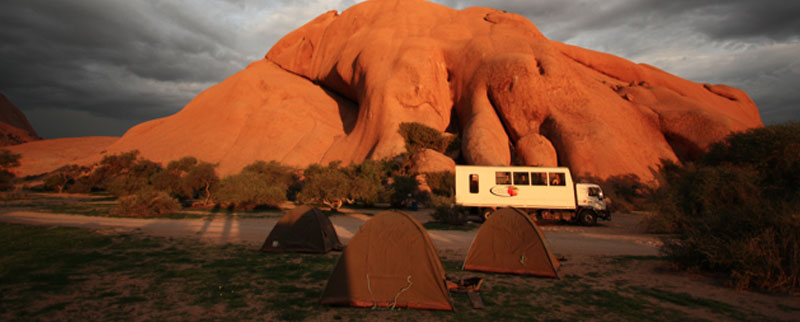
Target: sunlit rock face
{"points": [[338, 87]]}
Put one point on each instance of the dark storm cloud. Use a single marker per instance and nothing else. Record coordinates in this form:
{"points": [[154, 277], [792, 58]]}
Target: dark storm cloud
{"points": [[128, 60], [751, 45], [719, 19]]}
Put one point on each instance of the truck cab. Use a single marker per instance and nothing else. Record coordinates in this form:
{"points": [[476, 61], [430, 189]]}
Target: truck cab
{"points": [[590, 196]]}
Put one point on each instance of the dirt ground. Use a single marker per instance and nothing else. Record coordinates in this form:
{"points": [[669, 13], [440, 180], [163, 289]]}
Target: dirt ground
{"points": [[620, 236], [582, 249]]}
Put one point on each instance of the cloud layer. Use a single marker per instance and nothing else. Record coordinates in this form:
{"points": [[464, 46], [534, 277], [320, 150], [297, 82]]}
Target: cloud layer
{"points": [[97, 67]]}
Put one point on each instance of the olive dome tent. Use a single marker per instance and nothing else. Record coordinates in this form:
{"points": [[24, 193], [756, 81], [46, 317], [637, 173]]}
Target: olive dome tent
{"points": [[510, 242], [389, 262], [302, 229]]}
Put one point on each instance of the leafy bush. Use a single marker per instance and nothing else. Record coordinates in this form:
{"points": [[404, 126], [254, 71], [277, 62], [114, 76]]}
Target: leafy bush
{"points": [[127, 184], [8, 160], [403, 187], [6, 180], [63, 177], [419, 136], [734, 211], [246, 191], [80, 186], [447, 212], [624, 193], [369, 181], [441, 183], [146, 203]]}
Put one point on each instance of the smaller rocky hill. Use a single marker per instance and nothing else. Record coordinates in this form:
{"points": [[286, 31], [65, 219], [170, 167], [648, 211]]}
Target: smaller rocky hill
{"points": [[14, 126]]}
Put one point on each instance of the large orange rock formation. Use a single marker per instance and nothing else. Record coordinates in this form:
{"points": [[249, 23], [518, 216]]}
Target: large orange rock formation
{"points": [[14, 126], [338, 88]]}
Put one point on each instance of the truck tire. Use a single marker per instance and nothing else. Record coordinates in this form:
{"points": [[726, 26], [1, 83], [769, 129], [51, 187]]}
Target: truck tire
{"points": [[485, 213], [587, 217]]}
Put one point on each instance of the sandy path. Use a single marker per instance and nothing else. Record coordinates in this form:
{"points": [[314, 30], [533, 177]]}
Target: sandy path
{"points": [[606, 240]]}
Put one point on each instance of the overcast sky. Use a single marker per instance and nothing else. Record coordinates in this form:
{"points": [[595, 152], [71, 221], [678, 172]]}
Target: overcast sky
{"points": [[98, 67]]}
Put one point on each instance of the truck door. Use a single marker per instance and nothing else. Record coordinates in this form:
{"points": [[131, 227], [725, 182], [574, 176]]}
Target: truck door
{"points": [[473, 183]]}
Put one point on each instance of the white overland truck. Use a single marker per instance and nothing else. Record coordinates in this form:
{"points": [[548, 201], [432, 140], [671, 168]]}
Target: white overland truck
{"points": [[549, 193]]}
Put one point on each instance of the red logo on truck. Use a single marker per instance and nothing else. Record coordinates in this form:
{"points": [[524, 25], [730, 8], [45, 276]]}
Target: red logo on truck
{"points": [[504, 191]]}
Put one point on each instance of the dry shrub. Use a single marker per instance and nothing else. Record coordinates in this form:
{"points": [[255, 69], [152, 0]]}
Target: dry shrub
{"points": [[146, 203]]}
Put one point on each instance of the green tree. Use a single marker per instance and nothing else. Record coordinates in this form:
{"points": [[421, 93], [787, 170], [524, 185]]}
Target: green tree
{"points": [[329, 185], [258, 184], [200, 179], [112, 166], [369, 181], [187, 179], [64, 176], [245, 191], [8, 160], [272, 171]]}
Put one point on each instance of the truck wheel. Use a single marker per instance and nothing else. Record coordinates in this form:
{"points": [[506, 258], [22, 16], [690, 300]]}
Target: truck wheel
{"points": [[587, 217], [485, 213]]}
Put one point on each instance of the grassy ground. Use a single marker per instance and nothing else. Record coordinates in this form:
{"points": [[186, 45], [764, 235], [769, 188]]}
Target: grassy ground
{"points": [[77, 274]]}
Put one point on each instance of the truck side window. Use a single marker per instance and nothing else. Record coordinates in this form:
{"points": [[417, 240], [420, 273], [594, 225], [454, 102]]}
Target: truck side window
{"points": [[557, 179], [594, 192], [473, 183], [521, 178], [502, 177], [538, 178]]}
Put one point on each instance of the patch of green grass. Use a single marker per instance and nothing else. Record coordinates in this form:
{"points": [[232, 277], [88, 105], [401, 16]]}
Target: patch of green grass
{"points": [[687, 300], [53, 307], [129, 300], [433, 225], [452, 265], [787, 308], [120, 276], [45, 258]]}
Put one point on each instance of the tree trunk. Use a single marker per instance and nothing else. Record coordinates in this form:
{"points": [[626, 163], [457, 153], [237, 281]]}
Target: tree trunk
{"points": [[208, 193]]}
